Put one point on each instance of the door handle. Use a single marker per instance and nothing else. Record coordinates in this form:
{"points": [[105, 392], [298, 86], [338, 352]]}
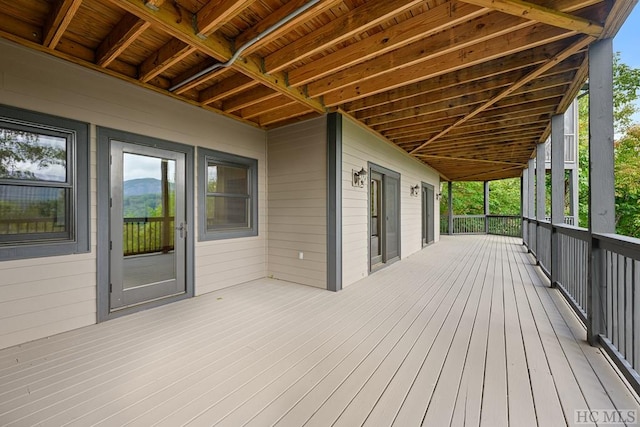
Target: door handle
{"points": [[183, 230]]}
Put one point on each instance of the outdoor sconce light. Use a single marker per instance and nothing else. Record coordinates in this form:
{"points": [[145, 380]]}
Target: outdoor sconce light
{"points": [[415, 190], [438, 196], [359, 177]]}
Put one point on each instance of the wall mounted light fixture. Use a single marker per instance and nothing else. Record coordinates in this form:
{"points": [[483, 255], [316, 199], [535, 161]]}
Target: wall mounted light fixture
{"points": [[438, 196], [415, 190], [358, 177]]}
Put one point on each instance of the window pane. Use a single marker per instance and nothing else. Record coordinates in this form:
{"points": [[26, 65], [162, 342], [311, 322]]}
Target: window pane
{"points": [[227, 179], [27, 211], [32, 156], [227, 212]]}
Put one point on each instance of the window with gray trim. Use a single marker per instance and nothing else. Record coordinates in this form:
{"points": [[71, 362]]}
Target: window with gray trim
{"points": [[228, 195], [43, 185]]}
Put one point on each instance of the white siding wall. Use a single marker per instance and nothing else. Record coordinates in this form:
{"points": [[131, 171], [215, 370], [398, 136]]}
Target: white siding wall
{"points": [[298, 202], [358, 148], [44, 296]]}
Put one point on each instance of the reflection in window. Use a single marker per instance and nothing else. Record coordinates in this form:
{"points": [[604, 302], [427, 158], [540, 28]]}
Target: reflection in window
{"points": [[36, 185], [228, 195]]}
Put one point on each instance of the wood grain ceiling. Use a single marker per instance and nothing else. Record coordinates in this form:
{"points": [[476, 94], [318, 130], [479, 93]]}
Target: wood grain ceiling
{"points": [[467, 87]]}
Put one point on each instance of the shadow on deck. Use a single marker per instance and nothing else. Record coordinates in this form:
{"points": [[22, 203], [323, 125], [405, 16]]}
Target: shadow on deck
{"points": [[466, 332]]}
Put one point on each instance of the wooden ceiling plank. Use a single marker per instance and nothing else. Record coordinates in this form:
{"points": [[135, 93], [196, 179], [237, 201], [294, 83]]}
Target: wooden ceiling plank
{"points": [[279, 15], [450, 41], [467, 89], [581, 43], [542, 14], [200, 80], [174, 22], [356, 21], [58, 21], [524, 39], [464, 159], [164, 58], [523, 60], [248, 98], [226, 88], [282, 114], [477, 176], [266, 107], [123, 34], [418, 27], [216, 13]]}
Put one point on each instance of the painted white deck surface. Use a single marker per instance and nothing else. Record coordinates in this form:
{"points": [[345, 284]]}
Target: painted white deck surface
{"points": [[463, 333]]}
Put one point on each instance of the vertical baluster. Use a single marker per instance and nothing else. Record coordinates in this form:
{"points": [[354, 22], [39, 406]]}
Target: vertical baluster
{"points": [[609, 280], [628, 308]]}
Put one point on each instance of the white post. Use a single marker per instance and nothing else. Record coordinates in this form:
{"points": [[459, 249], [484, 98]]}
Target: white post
{"points": [[557, 192]]}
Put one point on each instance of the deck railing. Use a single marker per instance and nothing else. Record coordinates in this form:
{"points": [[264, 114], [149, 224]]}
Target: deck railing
{"points": [[147, 235], [609, 304], [503, 225]]}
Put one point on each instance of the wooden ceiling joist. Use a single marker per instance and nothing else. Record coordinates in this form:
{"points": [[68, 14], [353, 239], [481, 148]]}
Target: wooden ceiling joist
{"points": [[58, 21], [215, 46], [122, 35], [341, 28], [226, 88], [216, 13], [164, 58], [465, 159], [394, 37], [582, 42], [542, 14], [249, 98]]}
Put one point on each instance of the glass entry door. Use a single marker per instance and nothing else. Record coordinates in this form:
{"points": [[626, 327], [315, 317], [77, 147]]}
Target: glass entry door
{"points": [[147, 224]]}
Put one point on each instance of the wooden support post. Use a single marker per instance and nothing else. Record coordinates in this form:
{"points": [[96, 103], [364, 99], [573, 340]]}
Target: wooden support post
{"points": [[557, 192], [486, 207], [601, 178], [450, 206]]}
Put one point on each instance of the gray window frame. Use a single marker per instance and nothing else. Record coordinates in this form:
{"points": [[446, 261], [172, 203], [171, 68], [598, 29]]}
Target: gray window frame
{"points": [[208, 156], [78, 181]]}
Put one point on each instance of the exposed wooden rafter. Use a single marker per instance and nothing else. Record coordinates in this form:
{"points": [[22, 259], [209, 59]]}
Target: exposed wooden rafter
{"points": [[542, 14], [215, 46], [122, 35], [216, 13], [581, 43], [58, 21], [164, 58]]}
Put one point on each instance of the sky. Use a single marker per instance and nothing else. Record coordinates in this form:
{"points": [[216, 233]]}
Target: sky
{"points": [[627, 42]]}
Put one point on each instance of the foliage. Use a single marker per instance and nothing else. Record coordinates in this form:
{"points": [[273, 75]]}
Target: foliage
{"points": [[627, 170], [468, 198], [24, 148]]}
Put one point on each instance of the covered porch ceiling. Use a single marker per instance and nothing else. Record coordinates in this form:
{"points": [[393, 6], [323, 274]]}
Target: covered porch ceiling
{"points": [[467, 87]]}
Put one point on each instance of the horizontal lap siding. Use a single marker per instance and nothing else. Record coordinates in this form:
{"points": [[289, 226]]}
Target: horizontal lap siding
{"points": [[358, 148], [297, 196], [45, 296]]}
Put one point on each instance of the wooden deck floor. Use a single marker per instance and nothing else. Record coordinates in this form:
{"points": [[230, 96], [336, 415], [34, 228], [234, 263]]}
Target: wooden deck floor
{"points": [[463, 333]]}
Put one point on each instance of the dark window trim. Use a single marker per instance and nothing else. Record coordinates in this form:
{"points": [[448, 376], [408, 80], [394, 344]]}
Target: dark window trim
{"points": [[77, 180], [206, 155]]}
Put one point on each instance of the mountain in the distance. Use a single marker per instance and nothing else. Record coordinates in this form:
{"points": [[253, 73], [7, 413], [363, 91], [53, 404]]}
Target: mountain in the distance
{"points": [[142, 186]]}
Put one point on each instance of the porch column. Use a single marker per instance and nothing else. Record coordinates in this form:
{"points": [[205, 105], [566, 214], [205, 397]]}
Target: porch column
{"points": [[524, 200], [557, 192], [601, 177], [450, 206], [531, 213], [540, 183], [334, 202], [486, 207], [531, 203]]}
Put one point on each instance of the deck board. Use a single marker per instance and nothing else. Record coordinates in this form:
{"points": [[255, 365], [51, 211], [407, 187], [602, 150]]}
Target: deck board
{"points": [[466, 332]]}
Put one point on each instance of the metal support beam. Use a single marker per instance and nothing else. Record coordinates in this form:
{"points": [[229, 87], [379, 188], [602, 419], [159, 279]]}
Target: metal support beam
{"points": [[450, 206], [540, 183], [557, 192], [601, 177]]}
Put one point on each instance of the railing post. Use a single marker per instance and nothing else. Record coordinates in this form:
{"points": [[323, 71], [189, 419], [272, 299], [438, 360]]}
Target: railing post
{"points": [[450, 198], [523, 206], [601, 178], [557, 193]]}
